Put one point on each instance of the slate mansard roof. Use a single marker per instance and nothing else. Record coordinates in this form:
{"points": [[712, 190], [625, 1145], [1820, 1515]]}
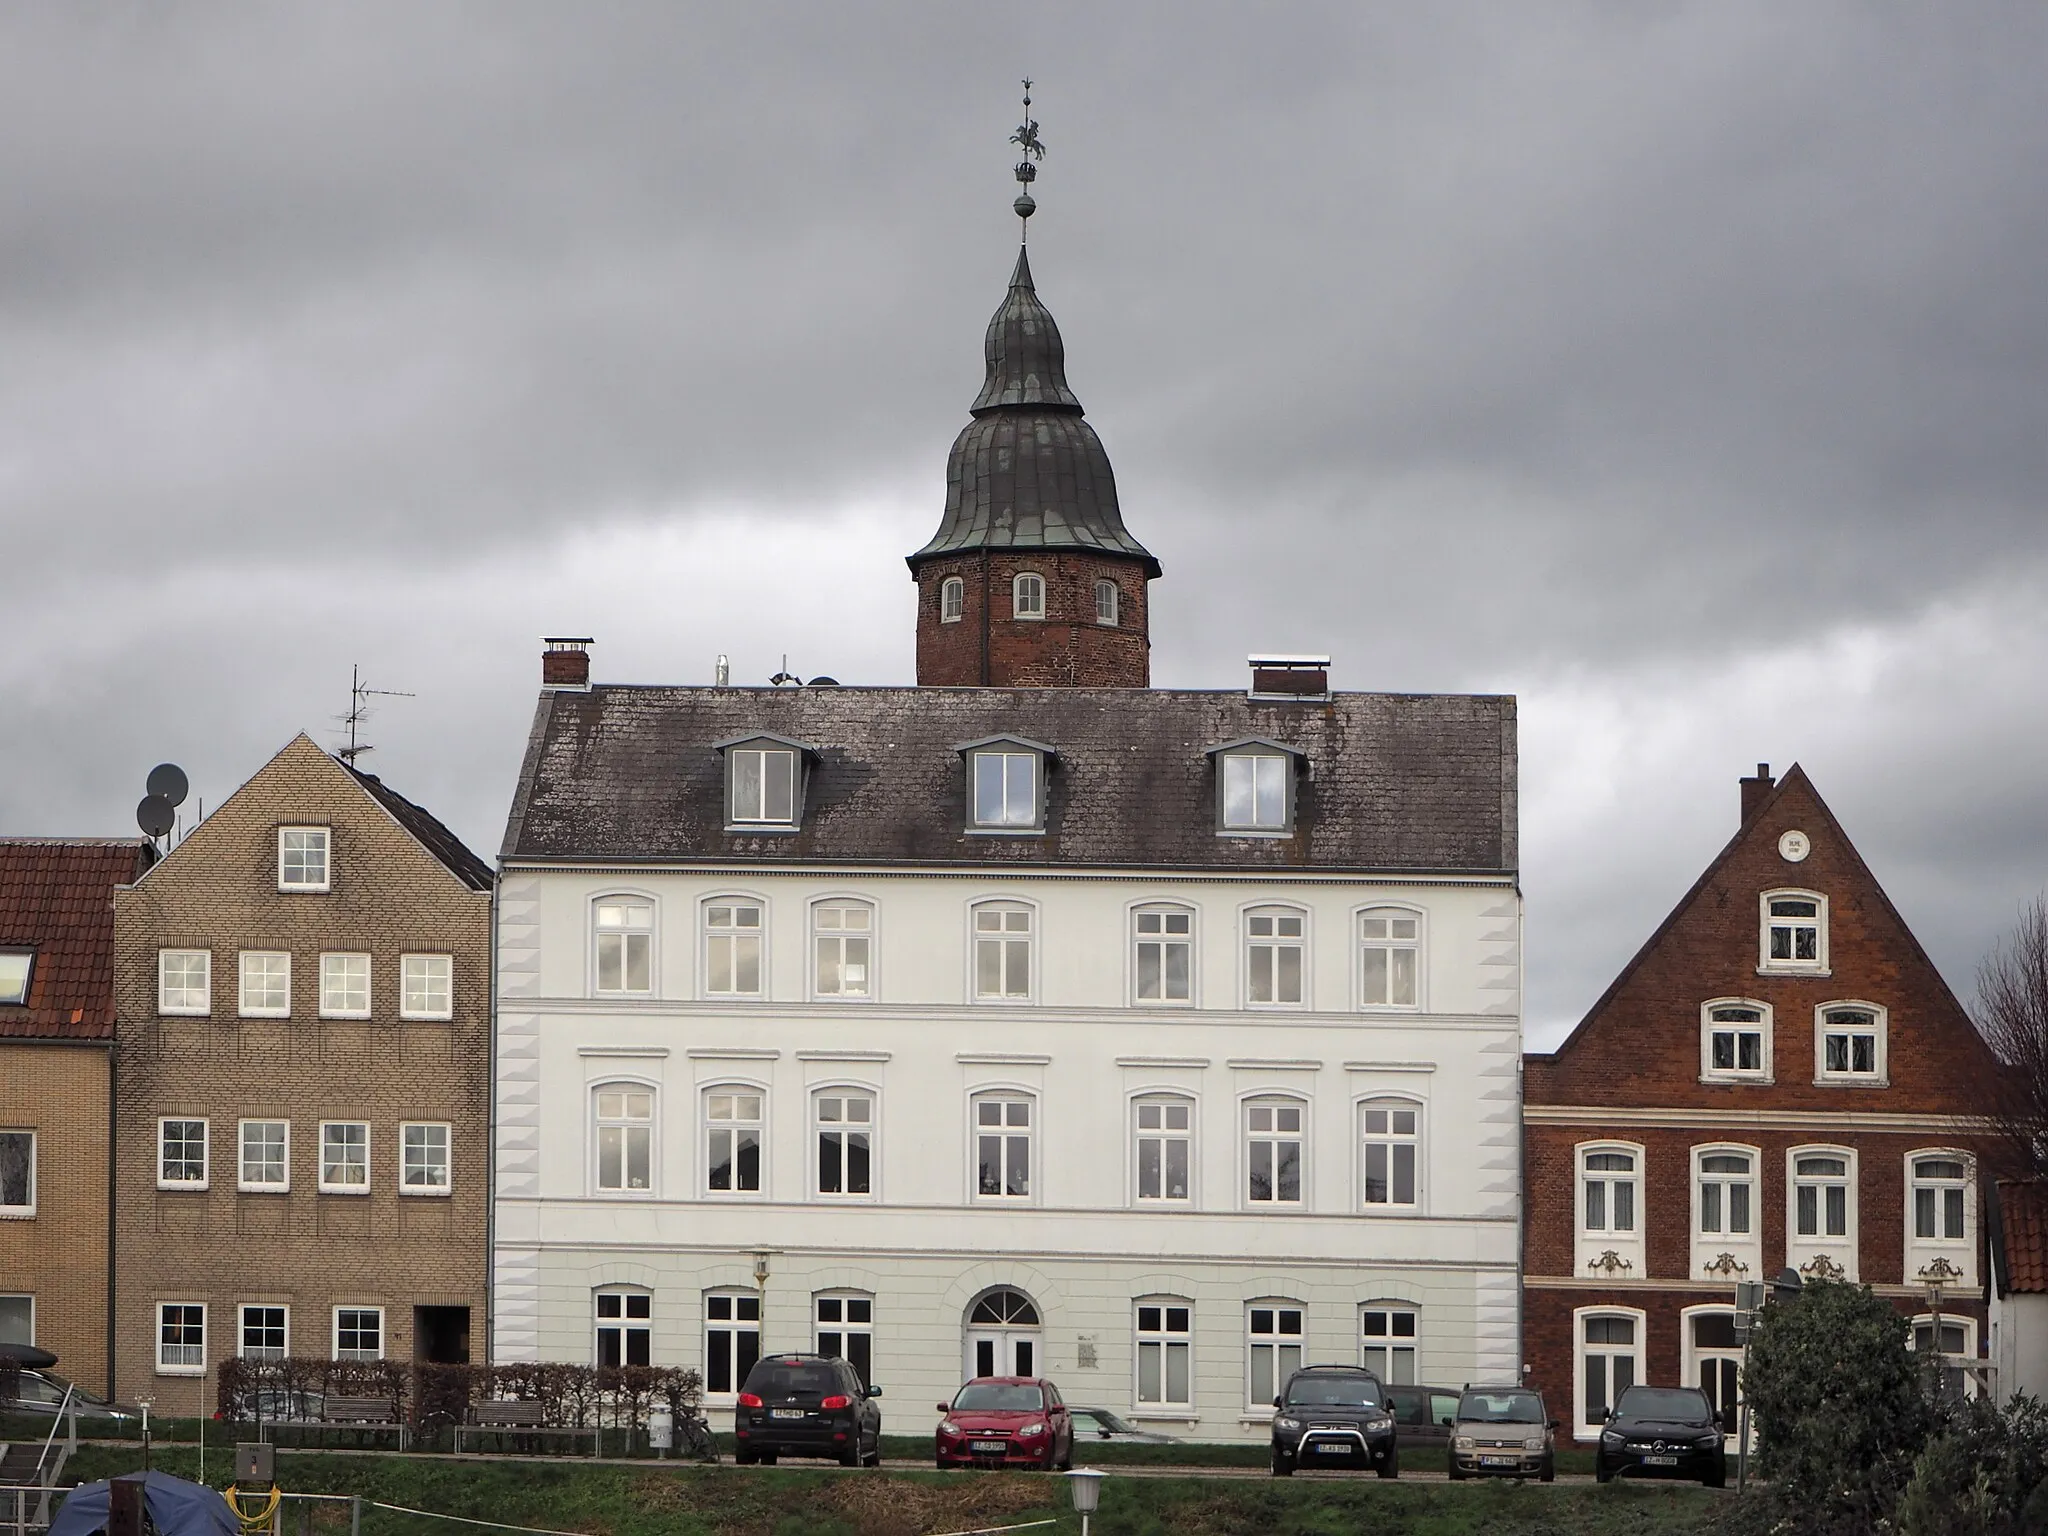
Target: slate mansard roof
{"points": [[1393, 782], [57, 898]]}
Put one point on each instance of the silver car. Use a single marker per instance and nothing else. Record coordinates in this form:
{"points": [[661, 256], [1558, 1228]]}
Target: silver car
{"points": [[1503, 1432]]}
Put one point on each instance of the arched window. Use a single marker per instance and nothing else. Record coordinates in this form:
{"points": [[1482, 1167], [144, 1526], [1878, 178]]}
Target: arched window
{"points": [[625, 1326], [952, 600], [733, 1139], [1273, 1141], [734, 927], [1389, 957], [1735, 1041], [842, 942], [1003, 1308], [623, 1116], [1275, 944], [1821, 1212], [1795, 932], [1027, 596], [1163, 946], [1609, 1210], [846, 1330], [1165, 1353], [1386, 1332], [844, 1120], [1392, 1137], [1004, 1130], [1609, 1346], [1163, 1126], [1849, 1043], [623, 930], [1108, 602], [1273, 1334], [1002, 952]]}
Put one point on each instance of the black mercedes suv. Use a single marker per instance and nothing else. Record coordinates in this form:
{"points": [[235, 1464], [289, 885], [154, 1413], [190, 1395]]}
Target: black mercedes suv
{"points": [[1662, 1432], [807, 1405], [1334, 1415]]}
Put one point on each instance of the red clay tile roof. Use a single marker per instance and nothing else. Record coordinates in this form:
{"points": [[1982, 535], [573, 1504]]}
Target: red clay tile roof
{"points": [[57, 898], [2023, 1213]]}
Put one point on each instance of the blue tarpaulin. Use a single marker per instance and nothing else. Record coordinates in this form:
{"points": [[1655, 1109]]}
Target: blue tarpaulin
{"points": [[175, 1507]]}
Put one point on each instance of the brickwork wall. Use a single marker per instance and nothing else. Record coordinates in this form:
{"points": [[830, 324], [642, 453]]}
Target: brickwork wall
{"points": [[1065, 649], [305, 1250], [59, 1256]]}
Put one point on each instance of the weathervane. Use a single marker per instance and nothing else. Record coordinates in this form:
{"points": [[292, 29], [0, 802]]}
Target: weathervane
{"points": [[1026, 138]]}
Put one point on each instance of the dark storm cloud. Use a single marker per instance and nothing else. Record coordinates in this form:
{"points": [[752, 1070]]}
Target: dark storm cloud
{"points": [[1680, 368]]}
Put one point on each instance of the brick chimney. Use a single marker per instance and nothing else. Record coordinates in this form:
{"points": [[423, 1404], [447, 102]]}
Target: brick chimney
{"points": [[1755, 791], [566, 662]]}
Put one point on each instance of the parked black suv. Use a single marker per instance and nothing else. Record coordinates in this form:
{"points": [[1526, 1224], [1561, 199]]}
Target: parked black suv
{"points": [[807, 1405], [1334, 1415], [1662, 1432]]}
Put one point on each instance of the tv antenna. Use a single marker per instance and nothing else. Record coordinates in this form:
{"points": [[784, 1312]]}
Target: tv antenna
{"points": [[359, 710]]}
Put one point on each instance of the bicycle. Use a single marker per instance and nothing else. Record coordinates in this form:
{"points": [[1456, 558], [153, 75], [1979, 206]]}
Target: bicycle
{"points": [[693, 1437]]}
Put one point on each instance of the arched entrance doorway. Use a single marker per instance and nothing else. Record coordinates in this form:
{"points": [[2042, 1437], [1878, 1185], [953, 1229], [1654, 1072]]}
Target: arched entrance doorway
{"points": [[1003, 1335]]}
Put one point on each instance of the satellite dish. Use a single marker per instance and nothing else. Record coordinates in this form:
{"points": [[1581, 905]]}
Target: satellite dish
{"points": [[166, 782], [155, 815], [824, 682]]}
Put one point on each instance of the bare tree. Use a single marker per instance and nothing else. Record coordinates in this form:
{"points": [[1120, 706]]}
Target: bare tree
{"points": [[2012, 1013]]}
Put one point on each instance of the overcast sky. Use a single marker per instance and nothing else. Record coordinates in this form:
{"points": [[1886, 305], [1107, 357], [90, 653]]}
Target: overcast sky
{"points": [[1682, 369]]}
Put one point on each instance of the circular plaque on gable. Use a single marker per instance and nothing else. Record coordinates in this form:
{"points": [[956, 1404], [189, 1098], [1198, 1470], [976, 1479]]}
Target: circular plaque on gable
{"points": [[1794, 846]]}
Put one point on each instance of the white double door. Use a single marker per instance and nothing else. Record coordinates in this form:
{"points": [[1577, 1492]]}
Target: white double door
{"points": [[1003, 1352]]}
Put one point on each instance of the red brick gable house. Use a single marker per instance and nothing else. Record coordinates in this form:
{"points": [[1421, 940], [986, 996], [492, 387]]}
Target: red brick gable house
{"points": [[1779, 1078]]}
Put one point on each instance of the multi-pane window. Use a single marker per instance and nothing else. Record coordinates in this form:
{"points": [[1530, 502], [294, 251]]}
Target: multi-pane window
{"points": [[1851, 1044], [846, 1331], [625, 1137], [18, 1173], [732, 1340], [1792, 932], [843, 940], [423, 1159], [266, 1155], [1272, 1136], [1005, 788], [1820, 1195], [266, 984], [1255, 791], [345, 1157], [1164, 953], [1391, 1135], [344, 986], [1940, 1189], [732, 949], [1389, 943], [181, 1337], [846, 1132], [1273, 1345], [1027, 596], [625, 1328], [181, 1153], [302, 858], [732, 1140], [1387, 1343], [625, 945], [1609, 1185], [359, 1333], [1108, 599], [1002, 952], [17, 1320], [1165, 1346], [1727, 1188], [1274, 938], [952, 600], [184, 981], [426, 987], [1002, 1144], [1736, 1041], [1165, 1137], [763, 785], [16, 966], [1608, 1362], [263, 1333]]}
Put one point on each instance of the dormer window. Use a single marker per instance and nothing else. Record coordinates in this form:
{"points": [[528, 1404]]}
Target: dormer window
{"points": [[764, 783], [302, 858], [952, 600], [1255, 787], [1027, 596], [15, 966], [1795, 932], [1108, 602], [1006, 784]]}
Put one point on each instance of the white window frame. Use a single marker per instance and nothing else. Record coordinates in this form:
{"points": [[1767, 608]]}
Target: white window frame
{"points": [[1765, 965], [822, 936], [327, 1011], [625, 1123], [628, 1322], [1961, 1252], [180, 1367], [1266, 1330], [205, 1179], [1248, 942], [625, 931], [1418, 946], [11, 994], [952, 600], [1247, 1136], [1393, 1342], [251, 1186], [1007, 937], [1763, 1026], [1591, 1243], [1164, 913], [759, 816], [164, 1005], [1390, 1105], [1027, 602], [243, 1007], [731, 934], [1034, 1170], [329, 1186], [1841, 1249], [1584, 1427], [1109, 615], [1163, 1340], [356, 1351], [1257, 757], [735, 1125], [734, 1328], [845, 1328], [423, 964], [27, 1211], [406, 1186], [242, 1311], [998, 756], [843, 1130], [1707, 1247], [1160, 1105], [1968, 1325], [1880, 1028], [316, 837]]}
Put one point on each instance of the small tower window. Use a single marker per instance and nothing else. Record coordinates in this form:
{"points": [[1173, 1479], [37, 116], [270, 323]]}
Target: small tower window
{"points": [[1027, 596], [952, 600], [1107, 603]]}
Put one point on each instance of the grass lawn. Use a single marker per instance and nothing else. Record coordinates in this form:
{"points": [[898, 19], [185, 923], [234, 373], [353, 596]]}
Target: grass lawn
{"points": [[727, 1501]]}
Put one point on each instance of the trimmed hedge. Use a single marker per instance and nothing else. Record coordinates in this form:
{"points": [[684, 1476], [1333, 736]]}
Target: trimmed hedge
{"points": [[427, 1396]]}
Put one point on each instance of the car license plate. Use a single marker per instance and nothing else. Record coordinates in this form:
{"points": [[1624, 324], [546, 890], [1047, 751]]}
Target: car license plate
{"points": [[1660, 1461], [789, 1413], [1500, 1461], [995, 1446], [1327, 1449]]}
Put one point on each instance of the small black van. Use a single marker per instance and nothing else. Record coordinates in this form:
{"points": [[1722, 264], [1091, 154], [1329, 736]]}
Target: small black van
{"points": [[807, 1405]]}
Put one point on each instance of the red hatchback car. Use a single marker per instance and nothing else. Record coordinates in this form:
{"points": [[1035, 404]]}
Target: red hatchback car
{"points": [[1006, 1421]]}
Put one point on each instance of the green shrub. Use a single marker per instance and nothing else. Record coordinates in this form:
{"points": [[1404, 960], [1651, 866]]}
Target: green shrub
{"points": [[1985, 1474]]}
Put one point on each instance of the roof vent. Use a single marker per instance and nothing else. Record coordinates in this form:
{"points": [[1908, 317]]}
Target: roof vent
{"points": [[566, 661], [1290, 677]]}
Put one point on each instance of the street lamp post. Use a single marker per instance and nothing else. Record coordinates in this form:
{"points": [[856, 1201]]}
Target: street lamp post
{"points": [[1934, 1278], [1085, 1484]]}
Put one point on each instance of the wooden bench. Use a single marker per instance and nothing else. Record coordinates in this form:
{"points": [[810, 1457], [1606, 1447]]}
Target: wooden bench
{"points": [[371, 1413], [503, 1416]]}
